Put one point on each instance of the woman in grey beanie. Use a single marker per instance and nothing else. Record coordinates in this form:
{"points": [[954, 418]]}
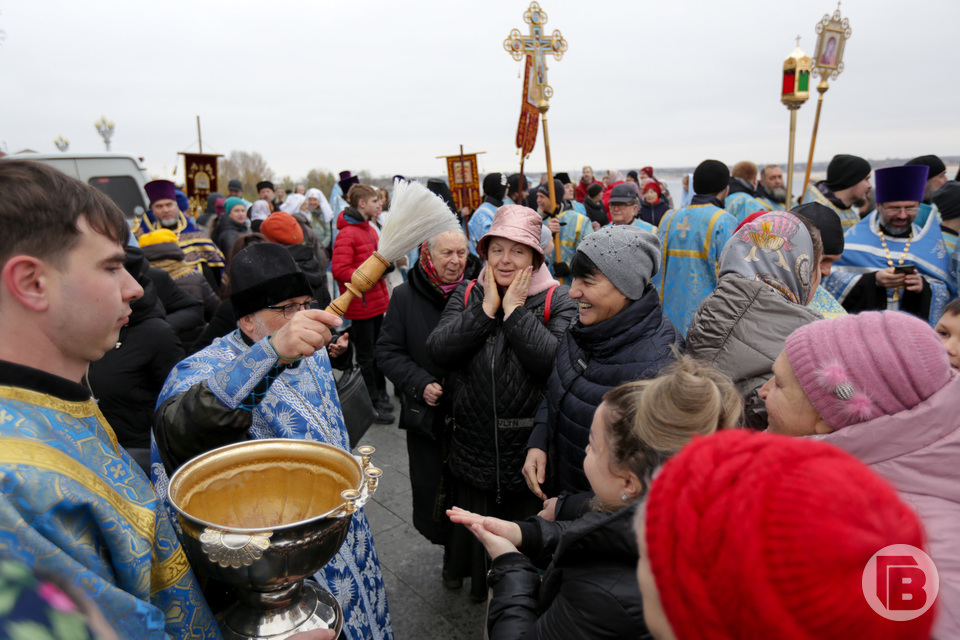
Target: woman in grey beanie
{"points": [[620, 336]]}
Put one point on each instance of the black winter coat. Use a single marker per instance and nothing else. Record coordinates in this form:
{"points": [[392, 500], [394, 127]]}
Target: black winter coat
{"points": [[632, 345], [589, 589], [502, 368], [226, 232], [128, 379], [184, 312], [401, 352], [653, 213]]}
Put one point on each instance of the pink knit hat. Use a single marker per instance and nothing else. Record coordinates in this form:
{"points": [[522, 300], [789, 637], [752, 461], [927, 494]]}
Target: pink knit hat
{"points": [[859, 367], [517, 223]]}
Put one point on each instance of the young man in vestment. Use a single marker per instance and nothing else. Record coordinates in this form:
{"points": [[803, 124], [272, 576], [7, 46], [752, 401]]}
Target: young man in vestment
{"points": [[889, 262], [271, 378], [846, 186], [692, 239], [73, 504]]}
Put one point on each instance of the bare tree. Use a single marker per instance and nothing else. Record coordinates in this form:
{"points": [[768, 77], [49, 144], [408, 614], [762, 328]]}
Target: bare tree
{"points": [[249, 167], [320, 179]]}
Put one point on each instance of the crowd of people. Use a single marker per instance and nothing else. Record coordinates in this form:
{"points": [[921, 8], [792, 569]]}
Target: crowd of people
{"points": [[626, 415]]}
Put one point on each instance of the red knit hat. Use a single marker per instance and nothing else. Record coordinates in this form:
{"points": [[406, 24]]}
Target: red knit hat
{"points": [[653, 185], [753, 535], [282, 228], [859, 367]]}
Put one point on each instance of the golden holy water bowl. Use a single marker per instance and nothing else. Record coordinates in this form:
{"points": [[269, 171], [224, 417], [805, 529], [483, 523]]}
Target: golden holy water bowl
{"points": [[263, 515]]}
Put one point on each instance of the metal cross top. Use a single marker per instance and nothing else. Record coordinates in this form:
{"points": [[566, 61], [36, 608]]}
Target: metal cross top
{"points": [[537, 45]]}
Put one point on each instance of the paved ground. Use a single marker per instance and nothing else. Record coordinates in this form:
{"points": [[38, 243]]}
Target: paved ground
{"points": [[419, 604]]}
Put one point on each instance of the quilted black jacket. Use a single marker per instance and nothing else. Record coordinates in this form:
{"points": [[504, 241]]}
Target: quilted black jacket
{"points": [[589, 589], [502, 368]]}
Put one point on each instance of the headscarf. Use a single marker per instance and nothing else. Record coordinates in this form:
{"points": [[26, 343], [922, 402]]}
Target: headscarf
{"points": [[259, 210], [444, 287], [775, 249], [293, 203]]}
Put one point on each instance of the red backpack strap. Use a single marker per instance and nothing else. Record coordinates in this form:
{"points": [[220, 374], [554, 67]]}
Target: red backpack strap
{"points": [[466, 294], [546, 308]]}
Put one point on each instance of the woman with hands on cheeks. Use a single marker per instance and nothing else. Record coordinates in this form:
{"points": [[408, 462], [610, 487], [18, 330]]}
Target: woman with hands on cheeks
{"points": [[589, 589], [498, 337]]}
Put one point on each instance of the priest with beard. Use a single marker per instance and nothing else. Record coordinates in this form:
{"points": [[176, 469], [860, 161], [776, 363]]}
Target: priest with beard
{"points": [[889, 262], [770, 191]]}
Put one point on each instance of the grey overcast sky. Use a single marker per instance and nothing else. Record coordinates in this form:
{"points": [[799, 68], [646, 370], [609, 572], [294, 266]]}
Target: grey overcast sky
{"points": [[386, 86]]}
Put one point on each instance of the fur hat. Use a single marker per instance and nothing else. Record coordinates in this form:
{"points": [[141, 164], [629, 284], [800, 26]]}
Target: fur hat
{"points": [[264, 275]]}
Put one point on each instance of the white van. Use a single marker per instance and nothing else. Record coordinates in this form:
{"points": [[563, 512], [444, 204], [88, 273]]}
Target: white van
{"points": [[119, 176]]}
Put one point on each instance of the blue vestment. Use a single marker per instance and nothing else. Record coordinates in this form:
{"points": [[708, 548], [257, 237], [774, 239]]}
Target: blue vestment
{"points": [[300, 403], [863, 253], [742, 204], [479, 224], [75, 506], [691, 240], [574, 228], [848, 217], [825, 304]]}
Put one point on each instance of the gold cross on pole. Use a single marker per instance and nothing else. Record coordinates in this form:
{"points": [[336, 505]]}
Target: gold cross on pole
{"points": [[538, 45]]}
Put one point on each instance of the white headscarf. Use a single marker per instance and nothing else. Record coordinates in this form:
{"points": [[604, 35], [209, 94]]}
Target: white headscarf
{"points": [[293, 203], [259, 210], [324, 205]]}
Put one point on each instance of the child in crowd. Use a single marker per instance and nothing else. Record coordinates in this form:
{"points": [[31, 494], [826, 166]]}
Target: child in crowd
{"points": [[948, 328]]}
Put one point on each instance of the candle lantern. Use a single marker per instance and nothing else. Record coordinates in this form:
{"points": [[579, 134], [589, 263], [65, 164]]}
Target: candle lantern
{"points": [[794, 91]]}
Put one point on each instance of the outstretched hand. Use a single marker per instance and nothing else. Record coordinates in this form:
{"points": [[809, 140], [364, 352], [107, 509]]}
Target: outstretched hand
{"points": [[535, 471], [497, 536], [516, 293]]}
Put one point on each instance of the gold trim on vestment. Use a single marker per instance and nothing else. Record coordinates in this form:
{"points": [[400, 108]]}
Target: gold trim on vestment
{"points": [[85, 409], [30, 453]]}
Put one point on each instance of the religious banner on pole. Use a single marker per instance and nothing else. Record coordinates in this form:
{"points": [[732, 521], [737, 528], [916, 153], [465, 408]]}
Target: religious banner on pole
{"points": [[529, 114], [464, 180], [201, 179]]}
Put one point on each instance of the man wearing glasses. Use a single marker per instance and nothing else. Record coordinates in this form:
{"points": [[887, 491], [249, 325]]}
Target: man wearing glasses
{"points": [[888, 261], [271, 378]]}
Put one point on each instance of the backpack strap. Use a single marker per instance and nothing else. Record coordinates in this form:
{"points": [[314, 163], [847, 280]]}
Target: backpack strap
{"points": [[466, 294], [547, 304]]}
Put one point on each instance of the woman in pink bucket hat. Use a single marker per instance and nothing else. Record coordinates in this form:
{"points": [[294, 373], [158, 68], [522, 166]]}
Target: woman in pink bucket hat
{"points": [[498, 335]]}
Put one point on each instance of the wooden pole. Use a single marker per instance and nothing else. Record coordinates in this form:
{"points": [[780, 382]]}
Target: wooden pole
{"points": [[821, 89], [793, 133], [199, 137], [551, 190]]}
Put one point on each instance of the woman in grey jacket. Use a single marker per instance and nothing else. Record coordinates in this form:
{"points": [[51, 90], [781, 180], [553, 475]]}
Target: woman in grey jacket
{"points": [[769, 271]]}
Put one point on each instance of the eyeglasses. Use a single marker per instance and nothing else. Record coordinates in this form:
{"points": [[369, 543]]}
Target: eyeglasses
{"points": [[621, 205], [907, 210], [289, 310]]}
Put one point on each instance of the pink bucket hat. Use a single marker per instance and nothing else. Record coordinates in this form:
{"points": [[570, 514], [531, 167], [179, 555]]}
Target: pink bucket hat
{"points": [[517, 223], [860, 367]]}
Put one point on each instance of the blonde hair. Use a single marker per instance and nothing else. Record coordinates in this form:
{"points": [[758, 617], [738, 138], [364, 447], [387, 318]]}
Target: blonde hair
{"points": [[745, 170], [651, 420]]}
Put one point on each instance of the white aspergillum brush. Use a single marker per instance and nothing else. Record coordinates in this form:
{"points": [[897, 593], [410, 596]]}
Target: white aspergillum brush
{"points": [[415, 216]]}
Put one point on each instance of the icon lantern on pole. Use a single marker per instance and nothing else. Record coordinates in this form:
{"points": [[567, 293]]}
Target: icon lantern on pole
{"points": [[795, 90], [832, 35], [62, 143], [105, 128]]}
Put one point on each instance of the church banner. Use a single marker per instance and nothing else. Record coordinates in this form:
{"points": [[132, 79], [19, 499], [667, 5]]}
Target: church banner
{"points": [[201, 179], [529, 115], [464, 180]]}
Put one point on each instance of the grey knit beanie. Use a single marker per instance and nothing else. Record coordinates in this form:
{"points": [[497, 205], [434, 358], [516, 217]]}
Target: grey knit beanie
{"points": [[627, 256]]}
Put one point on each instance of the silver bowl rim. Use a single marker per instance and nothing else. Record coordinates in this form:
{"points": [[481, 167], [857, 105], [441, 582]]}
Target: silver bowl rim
{"points": [[363, 490]]}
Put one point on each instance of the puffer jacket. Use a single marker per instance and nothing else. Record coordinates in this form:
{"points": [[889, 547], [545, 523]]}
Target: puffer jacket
{"points": [[502, 368], [356, 241], [653, 213], [740, 329], [632, 345], [916, 451], [589, 589]]}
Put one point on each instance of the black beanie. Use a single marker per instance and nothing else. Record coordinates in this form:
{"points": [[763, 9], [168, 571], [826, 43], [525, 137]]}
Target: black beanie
{"points": [[827, 223], [845, 171], [495, 185], [710, 177], [557, 189], [263, 275], [947, 199], [932, 162]]}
